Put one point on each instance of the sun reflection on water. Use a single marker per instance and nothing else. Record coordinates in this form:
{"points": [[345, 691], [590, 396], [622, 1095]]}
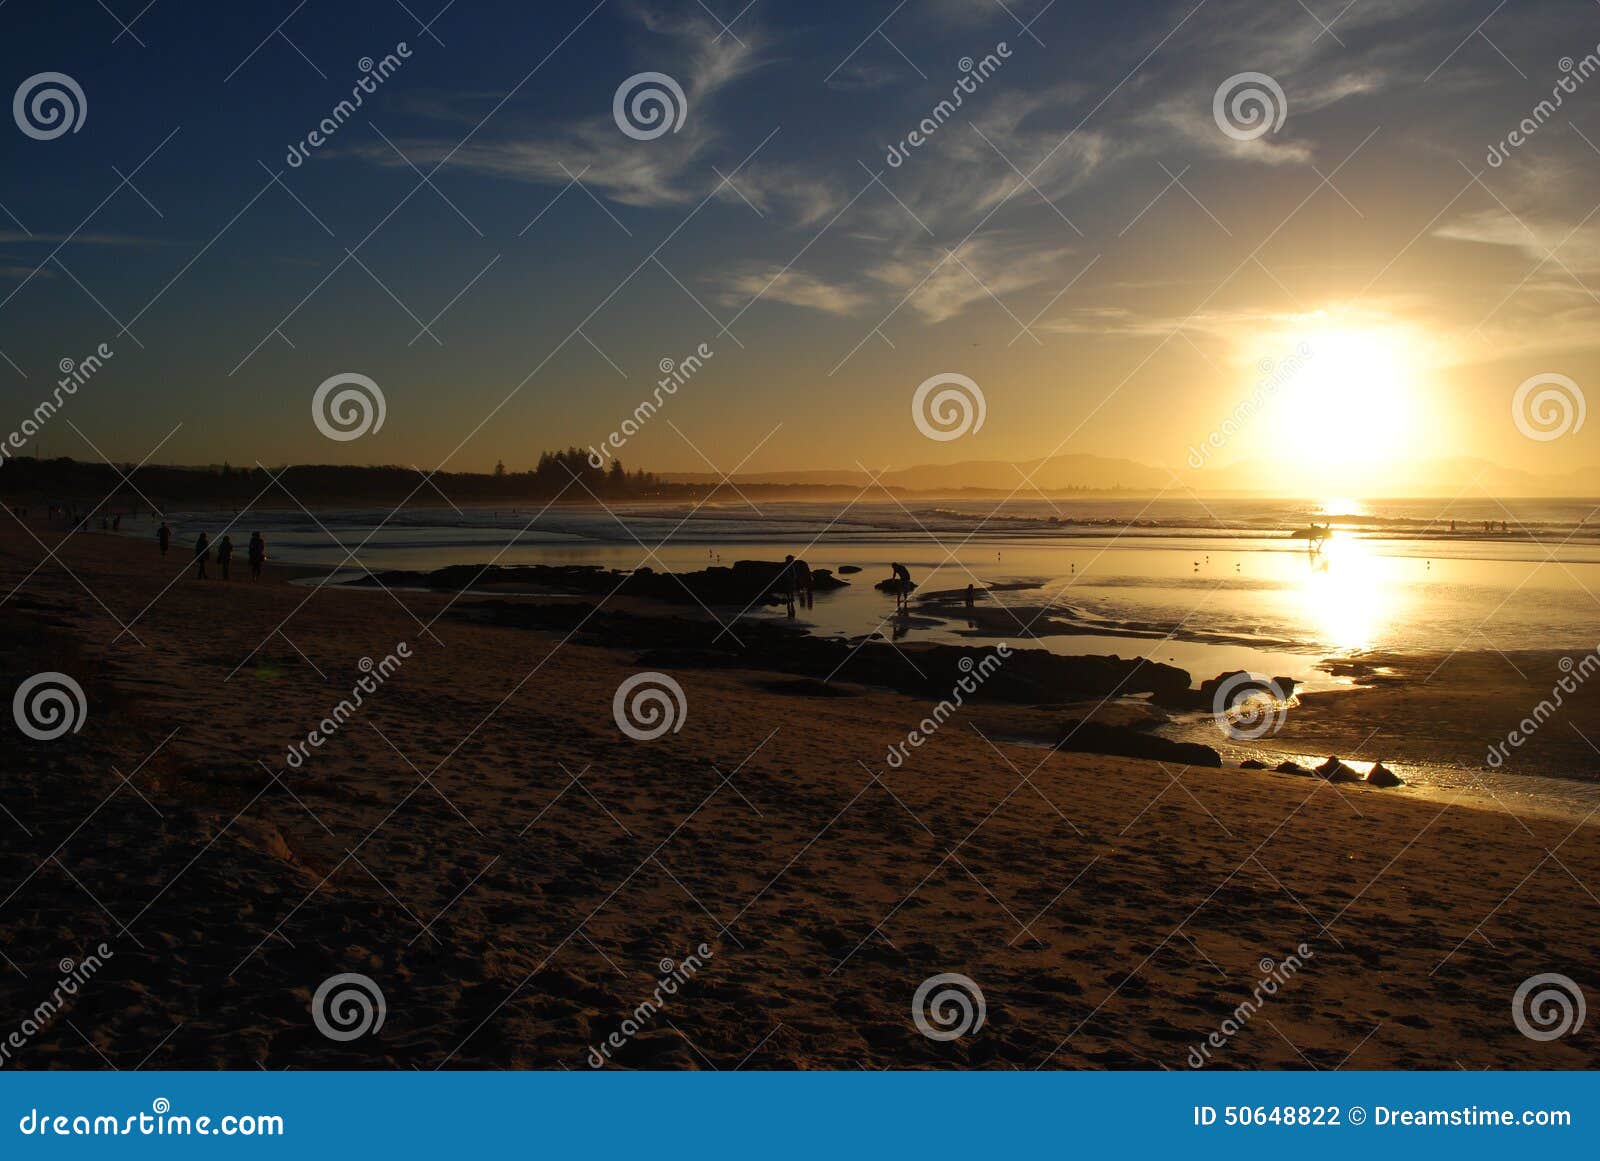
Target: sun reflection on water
{"points": [[1345, 596]]}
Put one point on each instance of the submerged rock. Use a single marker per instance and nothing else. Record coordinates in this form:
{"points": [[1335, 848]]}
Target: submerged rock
{"points": [[1252, 764], [1287, 767]]}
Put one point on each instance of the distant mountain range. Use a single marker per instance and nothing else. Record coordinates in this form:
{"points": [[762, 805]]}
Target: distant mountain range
{"points": [[1446, 476]]}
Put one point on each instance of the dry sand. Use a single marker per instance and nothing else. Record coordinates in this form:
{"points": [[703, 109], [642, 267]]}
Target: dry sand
{"points": [[483, 841]]}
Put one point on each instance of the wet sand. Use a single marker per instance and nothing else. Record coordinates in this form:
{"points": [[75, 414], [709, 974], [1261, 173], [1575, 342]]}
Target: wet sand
{"points": [[483, 841]]}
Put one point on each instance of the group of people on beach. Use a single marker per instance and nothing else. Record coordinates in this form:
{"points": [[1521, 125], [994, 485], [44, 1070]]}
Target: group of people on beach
{"points": [[255, 552], [797, 584]]}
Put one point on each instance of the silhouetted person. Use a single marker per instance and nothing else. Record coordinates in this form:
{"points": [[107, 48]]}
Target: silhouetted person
{"points": [[257, 553], [903, 588], [972, 594], [224, 554], [805, 583], [202, 553], [788, 583], [164, 537]]}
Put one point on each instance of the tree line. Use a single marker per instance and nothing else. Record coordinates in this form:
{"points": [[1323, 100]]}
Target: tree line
{"points": [[568, 474]]}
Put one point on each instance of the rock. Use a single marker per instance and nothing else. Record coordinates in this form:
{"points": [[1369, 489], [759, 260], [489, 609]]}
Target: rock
{"points": [[1021, 676], [1287, 767], [808, 687], [848, 569], [894, 585], [687, 658], [1098, 738], [1252, 764], [1239, 684], [824, 581], [1336, 771], [1381, 775]]}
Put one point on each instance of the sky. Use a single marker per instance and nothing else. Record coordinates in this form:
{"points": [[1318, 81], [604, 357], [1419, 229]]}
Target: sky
{"points": [[1103, 244]]}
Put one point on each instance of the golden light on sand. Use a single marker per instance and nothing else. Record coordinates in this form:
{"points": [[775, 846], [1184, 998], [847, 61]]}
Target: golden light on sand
{"points": [[1344, 599], [1353, 402]]}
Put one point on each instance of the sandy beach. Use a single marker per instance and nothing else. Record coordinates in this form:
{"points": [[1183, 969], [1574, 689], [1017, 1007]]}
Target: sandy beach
{"points": [[483, 841]]}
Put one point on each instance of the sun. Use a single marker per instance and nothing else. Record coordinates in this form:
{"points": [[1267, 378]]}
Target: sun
{"points": [[1349, 399]]}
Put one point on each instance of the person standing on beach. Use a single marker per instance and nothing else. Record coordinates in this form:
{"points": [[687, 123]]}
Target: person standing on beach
{"points": [[164, 537], [805, 584], [786, 582], [902, 595], [202, 553], [257, 553], [224, 554]]}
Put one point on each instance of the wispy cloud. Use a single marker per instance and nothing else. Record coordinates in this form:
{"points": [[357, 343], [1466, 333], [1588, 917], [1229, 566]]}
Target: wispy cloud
{"points": [[795, 287], [668, 170]]}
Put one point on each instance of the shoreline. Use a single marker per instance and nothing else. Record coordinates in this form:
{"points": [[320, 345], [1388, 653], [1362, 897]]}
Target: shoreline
{"points": [[520, 865]]}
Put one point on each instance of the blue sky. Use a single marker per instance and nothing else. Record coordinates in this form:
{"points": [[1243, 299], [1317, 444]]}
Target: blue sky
{"points": [[1080, 238]]}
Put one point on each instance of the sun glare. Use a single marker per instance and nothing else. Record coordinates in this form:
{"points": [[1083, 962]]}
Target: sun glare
{"points": [[1352, 401], [1343, 594]]}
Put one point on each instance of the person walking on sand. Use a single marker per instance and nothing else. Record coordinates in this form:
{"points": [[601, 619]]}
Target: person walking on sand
{"points": [[164, 537], [202, 553], [257, 552], [224, 554]]}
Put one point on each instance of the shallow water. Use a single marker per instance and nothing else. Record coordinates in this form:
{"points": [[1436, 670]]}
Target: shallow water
{"points": [[1212, 586]]}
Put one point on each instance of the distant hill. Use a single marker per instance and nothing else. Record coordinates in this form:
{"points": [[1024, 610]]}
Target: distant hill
{"points": [[1443, 476], [1059, 473]]}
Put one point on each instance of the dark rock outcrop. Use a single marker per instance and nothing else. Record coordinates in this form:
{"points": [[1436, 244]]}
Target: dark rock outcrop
{"points": [[1023, 676], [1381, 775], [745, 583], [1242, 682], [1098, 738], [1336, 771]]}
